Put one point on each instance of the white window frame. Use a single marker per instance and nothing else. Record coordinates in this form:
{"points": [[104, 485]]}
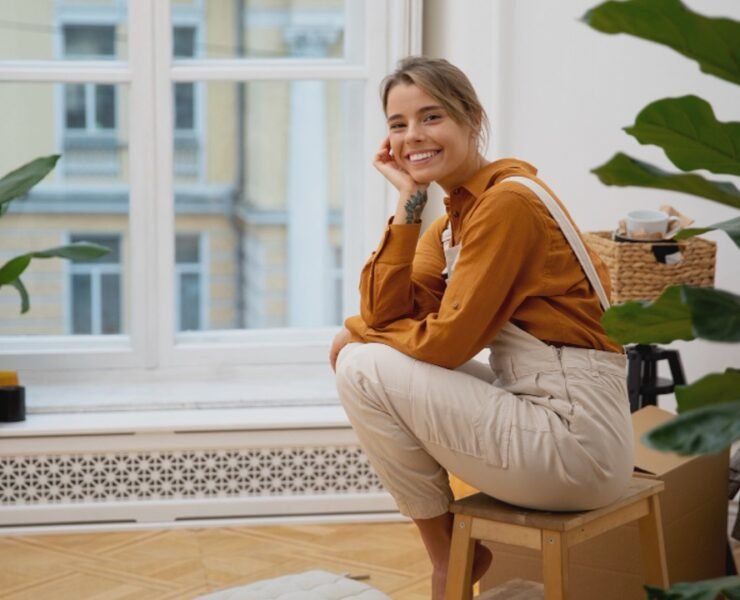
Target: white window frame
{"points": [[392, 30]]}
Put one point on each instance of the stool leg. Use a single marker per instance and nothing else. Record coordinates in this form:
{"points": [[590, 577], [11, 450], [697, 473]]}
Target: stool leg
{"points": [[555, 565], [653, 546], [460, 567]]}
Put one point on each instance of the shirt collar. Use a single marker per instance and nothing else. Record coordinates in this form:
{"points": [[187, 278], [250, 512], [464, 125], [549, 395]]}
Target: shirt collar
{"points": [[485, 178]]}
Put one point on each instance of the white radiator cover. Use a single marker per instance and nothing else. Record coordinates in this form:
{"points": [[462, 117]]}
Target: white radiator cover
{"points": [[160, 478]]}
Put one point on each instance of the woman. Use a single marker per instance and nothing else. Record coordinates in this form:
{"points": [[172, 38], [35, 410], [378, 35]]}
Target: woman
{"points": [[548, 425]]}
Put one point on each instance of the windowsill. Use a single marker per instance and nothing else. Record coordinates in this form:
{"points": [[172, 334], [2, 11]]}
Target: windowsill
{"points": [[177, 421], [220, 401]]}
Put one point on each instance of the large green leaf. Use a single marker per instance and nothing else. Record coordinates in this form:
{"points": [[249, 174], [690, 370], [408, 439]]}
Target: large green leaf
{"points": [[715, 388], [709, 589], [713, 42], [731, 227], [12, 269], [704, 430], [662, 321], [715, 314], [21, 180], [624, 170], [690, 135]]}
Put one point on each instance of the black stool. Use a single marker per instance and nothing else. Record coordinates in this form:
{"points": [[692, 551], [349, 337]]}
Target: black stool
{"points": [[643, 384]]}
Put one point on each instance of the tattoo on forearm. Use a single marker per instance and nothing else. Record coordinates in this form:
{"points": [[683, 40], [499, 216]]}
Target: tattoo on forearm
{"points": [[414, 206]]}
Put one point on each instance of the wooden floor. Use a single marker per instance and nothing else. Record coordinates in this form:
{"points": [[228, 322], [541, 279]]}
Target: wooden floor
{"points": [[183, 563]]}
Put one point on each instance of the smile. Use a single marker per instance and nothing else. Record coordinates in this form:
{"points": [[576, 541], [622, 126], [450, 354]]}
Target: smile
{"points": [[420, 157]]}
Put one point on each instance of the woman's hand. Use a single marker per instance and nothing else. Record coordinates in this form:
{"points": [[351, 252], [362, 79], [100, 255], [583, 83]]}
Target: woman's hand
{"points": [[340, 341], [413, 196], [385, 162]]}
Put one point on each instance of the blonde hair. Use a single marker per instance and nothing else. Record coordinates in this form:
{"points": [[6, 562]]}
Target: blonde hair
{"points": [[448, 85]]}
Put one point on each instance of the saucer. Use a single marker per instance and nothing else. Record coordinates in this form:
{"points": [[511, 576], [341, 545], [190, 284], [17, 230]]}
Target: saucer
{"points": [[618, 237]]}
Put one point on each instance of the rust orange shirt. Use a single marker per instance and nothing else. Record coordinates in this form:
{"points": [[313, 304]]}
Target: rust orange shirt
{"points": [[515, 265]]}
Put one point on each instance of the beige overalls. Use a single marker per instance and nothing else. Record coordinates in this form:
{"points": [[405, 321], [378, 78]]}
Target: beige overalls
{"points": [[545, 427]]}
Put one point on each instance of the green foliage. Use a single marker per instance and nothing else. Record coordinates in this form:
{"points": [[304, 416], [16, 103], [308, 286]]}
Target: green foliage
{"points": [[711, 589], [662, 321], [692, 138], [15, 184], [19, 182], [687, 130], [731, 227], [714, 43], [704, 430], [623, 170], [715, 388]]}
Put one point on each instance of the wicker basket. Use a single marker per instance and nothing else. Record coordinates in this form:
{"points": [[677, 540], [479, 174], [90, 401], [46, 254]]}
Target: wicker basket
{"points": [[637, 275]]}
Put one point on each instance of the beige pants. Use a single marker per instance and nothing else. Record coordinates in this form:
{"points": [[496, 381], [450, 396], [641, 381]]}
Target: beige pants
{"points": [[545, 428]]}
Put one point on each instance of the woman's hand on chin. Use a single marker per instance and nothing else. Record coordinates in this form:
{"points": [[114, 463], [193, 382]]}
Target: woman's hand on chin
{"points": [[386, 163]]}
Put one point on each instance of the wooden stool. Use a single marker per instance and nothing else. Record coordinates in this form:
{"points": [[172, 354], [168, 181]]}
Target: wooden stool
{"points": [[480, 517]]}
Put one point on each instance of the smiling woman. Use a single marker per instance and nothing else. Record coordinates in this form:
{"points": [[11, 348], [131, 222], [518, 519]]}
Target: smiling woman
{"points": [[553, 432]]}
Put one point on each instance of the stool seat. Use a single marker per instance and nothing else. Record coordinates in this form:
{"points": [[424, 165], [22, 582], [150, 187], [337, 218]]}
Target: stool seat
{"points": [[480, 517], [485, 507]]}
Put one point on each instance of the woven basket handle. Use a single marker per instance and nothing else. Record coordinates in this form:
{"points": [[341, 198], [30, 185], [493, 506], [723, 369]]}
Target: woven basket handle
{"points": [[575, 241]]}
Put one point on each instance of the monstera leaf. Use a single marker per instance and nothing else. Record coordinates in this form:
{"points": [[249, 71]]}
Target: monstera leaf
{"points": [[731, 228]]}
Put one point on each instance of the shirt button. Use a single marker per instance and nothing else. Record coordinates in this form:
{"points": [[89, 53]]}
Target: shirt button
{"points": [[455, 305], [456, 213]]}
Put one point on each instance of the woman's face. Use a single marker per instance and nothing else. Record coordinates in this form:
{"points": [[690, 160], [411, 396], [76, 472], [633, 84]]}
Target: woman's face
{"points": [[426, 141]]}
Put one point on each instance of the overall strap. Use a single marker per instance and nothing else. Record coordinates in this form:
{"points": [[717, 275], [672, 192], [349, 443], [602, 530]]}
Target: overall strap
{"points": [[570, 234]]}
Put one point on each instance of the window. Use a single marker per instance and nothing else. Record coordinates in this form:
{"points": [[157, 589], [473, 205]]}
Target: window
{"points": [[219, 148], [90, 144], [190, 282], [95, 302]]}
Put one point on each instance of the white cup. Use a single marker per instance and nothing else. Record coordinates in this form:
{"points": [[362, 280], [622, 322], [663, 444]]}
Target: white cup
{"points": [[649, 224]]}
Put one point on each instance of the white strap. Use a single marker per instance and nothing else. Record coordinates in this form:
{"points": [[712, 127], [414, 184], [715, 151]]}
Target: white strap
{"points": [[570, 234]]}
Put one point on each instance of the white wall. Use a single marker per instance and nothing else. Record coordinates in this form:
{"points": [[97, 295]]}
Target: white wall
{"points": [[558, 94]]}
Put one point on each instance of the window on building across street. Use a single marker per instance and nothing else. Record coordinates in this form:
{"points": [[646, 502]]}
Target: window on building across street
{"points": [[95, 302]]}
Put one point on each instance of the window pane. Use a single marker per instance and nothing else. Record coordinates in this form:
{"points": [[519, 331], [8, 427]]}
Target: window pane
{"points": [[74, 105], [81, 304], [56, 30], [94, 141], [189, 302], [183, 39], [278, 159], [83, 198], [296, 29], [105, 106], [184, 105], [89, 41], [110, 287], [187, 249]]}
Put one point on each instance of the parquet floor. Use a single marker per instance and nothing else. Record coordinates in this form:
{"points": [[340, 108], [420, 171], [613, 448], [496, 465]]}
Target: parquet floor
{"points": [[183, 563]]}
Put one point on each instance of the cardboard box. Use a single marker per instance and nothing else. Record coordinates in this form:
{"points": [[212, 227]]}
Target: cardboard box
{"points": [[609, 567]]}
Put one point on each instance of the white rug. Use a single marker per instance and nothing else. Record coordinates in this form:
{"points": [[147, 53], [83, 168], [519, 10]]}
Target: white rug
{"points": [[311, 585]]}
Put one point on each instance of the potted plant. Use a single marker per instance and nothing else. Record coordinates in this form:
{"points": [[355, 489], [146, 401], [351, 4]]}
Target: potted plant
{"points": [[692, 138]]}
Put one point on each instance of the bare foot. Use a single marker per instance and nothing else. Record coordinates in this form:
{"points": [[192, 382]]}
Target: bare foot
{"points": [[481, 563]]}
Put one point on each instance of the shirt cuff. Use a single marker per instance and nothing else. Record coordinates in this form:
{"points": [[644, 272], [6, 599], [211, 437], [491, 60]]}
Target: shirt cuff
{"points": [[356, 327], [399, 244]]}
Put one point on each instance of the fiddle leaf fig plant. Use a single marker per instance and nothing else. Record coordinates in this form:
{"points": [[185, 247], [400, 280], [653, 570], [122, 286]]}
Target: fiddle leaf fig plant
{"points": [[692, 137], [17, 184]]}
